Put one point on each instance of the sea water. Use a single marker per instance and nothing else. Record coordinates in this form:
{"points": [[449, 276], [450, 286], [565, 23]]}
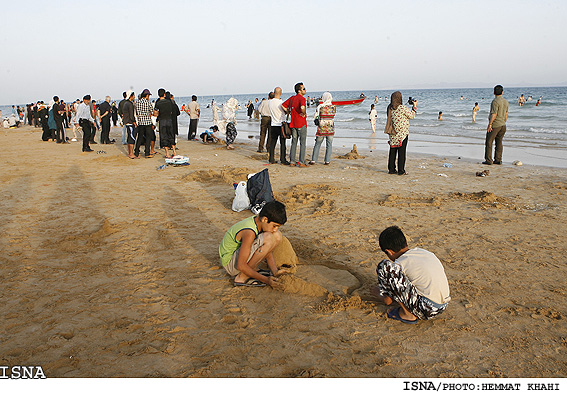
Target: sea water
{"points": [[535, 134]]}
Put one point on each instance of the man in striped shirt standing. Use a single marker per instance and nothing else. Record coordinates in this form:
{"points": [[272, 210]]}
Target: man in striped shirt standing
{"points": [[144, 112]]}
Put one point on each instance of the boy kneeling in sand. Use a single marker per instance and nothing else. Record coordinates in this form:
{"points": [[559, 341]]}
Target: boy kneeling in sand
{"points": [[250, 241], [414, 278]]}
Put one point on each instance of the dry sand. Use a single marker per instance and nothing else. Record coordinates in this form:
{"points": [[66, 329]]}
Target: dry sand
{"points": [[110, 268]]}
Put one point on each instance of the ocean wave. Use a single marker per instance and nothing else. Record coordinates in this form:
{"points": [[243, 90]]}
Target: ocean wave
{"points": [[344, 120], [429, 125], [460, 115], [547, 131]]}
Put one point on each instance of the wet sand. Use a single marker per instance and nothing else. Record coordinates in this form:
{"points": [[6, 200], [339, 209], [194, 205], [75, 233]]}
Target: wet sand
{"points": [[110, 268]]}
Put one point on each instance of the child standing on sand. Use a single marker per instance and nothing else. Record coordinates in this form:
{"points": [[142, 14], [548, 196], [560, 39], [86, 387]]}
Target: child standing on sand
{"points": [[250, 241], [414, 278]]}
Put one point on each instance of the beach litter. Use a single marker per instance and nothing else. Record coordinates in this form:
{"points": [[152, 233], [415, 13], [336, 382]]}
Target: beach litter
{"points": [[483, 173], [177, 160], [100, 152], [447, 165], [443, 175], [517, 163], [162, 167]]}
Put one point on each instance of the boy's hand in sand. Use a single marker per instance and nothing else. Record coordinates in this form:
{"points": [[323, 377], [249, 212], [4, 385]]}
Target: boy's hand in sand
{"points": [[273, 282]]}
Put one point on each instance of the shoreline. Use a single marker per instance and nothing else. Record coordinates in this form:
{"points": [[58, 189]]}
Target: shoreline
{"points": [[422, 147]]}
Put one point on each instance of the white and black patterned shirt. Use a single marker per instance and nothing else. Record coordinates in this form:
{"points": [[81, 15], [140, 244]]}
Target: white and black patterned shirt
{"points": [[144, 112]]}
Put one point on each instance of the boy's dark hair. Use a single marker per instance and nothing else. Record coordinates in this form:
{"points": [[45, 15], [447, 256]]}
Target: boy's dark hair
{"points": [[55, 98], [274, 211], [498, 89], [87, 97], [124, 94], [298, 86], [194, 98], [161, 92], [392, 238]]}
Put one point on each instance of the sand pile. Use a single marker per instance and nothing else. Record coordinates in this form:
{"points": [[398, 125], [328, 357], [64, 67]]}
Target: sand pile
{"points": [[285, 256], [353, 154], [225, 175]]}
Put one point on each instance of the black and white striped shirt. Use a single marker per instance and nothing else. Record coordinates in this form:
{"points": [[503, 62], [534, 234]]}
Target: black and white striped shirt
{"points": [[144, 112]]}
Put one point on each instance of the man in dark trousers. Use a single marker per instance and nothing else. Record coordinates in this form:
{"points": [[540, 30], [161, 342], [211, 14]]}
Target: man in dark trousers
{"points": [[121, 114], [164, 111], [496, 127], [104, 115], [146, 134], [58, 117], [86, 121]]}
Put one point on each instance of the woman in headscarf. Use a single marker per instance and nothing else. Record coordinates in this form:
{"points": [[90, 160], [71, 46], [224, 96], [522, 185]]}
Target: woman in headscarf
{"points": [[397, 126], [325, 113]]}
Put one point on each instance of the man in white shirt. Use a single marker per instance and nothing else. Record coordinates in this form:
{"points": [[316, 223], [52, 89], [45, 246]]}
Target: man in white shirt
{"points": [[277, 116], [415, 278], [265, 121], [85, 119]]}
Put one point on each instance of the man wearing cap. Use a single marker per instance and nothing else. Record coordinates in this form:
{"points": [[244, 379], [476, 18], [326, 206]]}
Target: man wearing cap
{"points": [[144, 112], [86, 121], [104, 115], [129, 122]]}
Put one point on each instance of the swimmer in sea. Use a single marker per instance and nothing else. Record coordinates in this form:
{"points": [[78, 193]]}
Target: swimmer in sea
{"points": [[440, 117], [474, 111], [521, 100]]}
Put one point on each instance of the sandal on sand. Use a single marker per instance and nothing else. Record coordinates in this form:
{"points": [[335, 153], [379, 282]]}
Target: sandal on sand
{"points": [[250, 282], [265, 272], [395, 315]]}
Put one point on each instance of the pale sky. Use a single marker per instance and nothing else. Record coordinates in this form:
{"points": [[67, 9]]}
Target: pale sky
{"points": [[73, 48]]}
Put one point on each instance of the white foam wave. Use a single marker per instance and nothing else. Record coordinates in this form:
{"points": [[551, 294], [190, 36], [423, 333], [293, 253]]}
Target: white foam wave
{"points": [[344, 120], [547, 131]]}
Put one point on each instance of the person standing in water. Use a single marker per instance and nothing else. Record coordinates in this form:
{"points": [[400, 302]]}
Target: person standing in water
{"points": [[474, 111], [372, 117]]}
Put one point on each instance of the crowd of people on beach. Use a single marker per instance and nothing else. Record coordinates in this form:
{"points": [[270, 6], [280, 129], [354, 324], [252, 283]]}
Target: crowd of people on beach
{"points": [[279, 121]]}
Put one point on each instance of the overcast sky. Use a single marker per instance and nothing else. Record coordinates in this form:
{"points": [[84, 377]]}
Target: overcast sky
{"points": [[71, 48]]}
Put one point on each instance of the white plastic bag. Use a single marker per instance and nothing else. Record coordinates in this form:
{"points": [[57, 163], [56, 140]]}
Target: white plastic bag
{"points": [[241, 200]]}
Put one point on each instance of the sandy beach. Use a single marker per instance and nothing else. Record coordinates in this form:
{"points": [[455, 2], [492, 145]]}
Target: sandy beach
{"points": [[110, 268]]}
